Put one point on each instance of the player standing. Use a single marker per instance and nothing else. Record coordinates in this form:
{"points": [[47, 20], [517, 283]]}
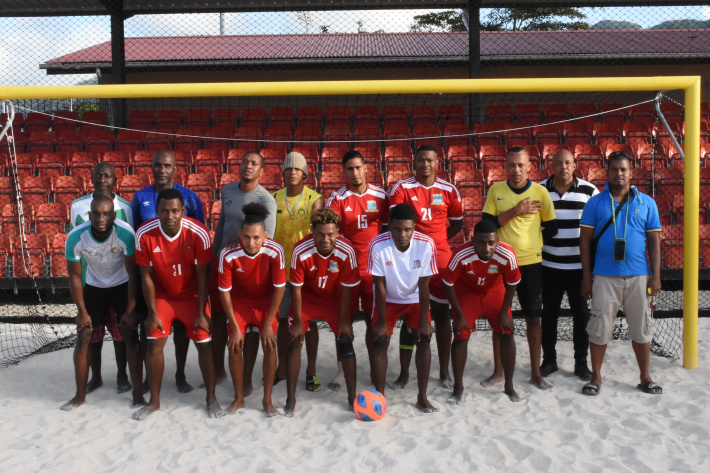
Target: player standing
{"points": [[402, 262], [436, 204], [252, 278], [364, 212], [174, 253], [323, 274], [482, 277]]}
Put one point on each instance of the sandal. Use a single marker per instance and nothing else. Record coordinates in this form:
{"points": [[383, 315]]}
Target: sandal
{"points": [[650, 388], [591, 389], [313, 384]]}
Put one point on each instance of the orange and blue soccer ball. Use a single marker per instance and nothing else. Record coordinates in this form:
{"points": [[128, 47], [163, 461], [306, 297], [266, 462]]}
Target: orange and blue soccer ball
{"points": [[370, 405]]}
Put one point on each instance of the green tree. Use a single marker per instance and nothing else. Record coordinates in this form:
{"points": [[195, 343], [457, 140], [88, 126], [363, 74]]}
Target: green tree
{"points": [[449, 20], [535, 19]]}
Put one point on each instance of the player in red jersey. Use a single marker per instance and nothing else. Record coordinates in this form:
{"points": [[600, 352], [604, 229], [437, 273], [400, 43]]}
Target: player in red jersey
{"points": [[252, 279], [437, 203], [364, 211], [482, 277], [323, 274], [174, 253]]}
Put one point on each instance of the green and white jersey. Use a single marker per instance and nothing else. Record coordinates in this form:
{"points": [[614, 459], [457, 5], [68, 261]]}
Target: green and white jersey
{"points": [[105, 260], [80, 208]]}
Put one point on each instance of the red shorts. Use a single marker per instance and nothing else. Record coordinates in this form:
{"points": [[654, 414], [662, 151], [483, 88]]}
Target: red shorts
{"points": [[215, 302], [253, 314], [410, 312], [363, 294], [476, 305], [111, 325], [184, 310], [325, 310], [436, 289]]}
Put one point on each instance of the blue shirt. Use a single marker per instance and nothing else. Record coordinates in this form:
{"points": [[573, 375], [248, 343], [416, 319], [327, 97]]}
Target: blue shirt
{"points": [[642, 217], [144, 202]]}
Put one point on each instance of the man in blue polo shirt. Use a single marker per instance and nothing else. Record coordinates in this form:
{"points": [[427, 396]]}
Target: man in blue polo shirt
{"points": [[144, 206], [625, 223]]}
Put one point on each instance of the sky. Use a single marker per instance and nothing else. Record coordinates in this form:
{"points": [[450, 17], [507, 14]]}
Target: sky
{"points": [[27, 42]]}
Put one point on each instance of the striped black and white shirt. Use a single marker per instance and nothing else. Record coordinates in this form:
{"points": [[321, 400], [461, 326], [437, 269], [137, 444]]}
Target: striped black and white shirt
{"points": [[562, 251]]}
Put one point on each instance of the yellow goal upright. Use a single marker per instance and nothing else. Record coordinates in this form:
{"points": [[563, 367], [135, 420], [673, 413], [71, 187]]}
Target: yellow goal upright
{"points": [[690, 85]]}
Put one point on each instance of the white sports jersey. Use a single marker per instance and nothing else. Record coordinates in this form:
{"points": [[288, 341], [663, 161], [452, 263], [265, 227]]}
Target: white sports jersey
{"points": [[105, 260], [402, 270], [80, 208]]}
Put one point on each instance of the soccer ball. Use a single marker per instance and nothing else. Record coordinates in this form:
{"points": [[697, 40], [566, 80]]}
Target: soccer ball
{"points": [[370, 405]]}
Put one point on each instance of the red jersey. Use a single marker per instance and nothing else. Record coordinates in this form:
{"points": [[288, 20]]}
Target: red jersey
{"points": [[480, 276], [252, 277], [434, 207], [322, 276], [362, 217], [174, 259]]}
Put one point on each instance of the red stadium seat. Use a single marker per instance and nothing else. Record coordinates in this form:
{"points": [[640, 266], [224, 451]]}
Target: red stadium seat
{"points": [[226, 117], [209, 161], [395, 176], [42, 142], [197, 118], [555, 112], [338, 116], [576, 133], [613, 113], [606, 134], [60, 122], [486, 135], [500, 115], [51, 219], [254, 117], [278, 137], [35, 190], [57, 258], [547, 135], [649, 155], [35, 249], [213, 219], [310, 116], [99, 140], [282, 117], [426, 135], [68, 188], [141, 119]]}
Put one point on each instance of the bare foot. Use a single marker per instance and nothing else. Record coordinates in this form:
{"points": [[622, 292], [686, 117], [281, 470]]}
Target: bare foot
{"points": [[399, 383], [270, 410], [540, 383], [145, 411], [425, 406], [183, 386], [138, 401], [72, 404], [235, 406], [492, 380], [446, 382], [512, 395], [456, 398], [122, 384], [213, 410], [248, 389], [337, 382], [290, 408], [94, 384]]}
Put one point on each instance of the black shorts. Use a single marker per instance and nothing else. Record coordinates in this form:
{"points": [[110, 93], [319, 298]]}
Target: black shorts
{"points": [[97, 301], [530, 290]]}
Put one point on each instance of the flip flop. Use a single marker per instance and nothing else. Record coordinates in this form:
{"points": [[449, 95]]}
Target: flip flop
{"points": [[650, 388], [277, 380], [591, 389], [313, 384]]}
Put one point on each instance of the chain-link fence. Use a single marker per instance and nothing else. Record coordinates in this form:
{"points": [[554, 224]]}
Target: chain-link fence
{"points": [[56, 143]]}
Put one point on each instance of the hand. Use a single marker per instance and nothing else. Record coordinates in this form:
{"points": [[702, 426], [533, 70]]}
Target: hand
{"points": [[380, 330], [460, 324], [82, 320], [203, 322], [268, 337], [425, 330], [527, 206], [506, 321], [152, 323], [654, 284], [130, 320], [346, 328], [587, 287], [235, 344], [295, 331]]}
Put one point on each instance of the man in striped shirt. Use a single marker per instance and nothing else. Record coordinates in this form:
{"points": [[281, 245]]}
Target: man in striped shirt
{"points": [[562, 267]]}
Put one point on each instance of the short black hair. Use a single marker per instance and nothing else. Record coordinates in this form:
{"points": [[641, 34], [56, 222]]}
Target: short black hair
{"points": [[254, 214], [170, 194], [261, 158], [325, 216], [354, 154], [426, 148], [101, 198], [402, 212], [518, 149], [485, 226], [618, 156]]}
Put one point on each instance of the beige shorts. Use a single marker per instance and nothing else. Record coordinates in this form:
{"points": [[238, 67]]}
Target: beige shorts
{"points": [[609, 294]]}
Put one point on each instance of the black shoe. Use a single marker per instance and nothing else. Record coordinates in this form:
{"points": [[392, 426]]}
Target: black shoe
{"points": [[547, 368], [581, 370]]}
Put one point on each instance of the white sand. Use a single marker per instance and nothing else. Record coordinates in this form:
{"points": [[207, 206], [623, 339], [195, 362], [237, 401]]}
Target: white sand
{"points": [[559, 430]]}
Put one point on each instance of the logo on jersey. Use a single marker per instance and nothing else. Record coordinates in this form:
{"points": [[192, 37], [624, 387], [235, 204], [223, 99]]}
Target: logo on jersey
{"points": [[157, 250], [240, 270], [471, 272], [115, 250], [301, 213], [228, 202], [417, 264], [313, 268], [333, 267], [415, 198], [348, 209], [437, 199], [492, 269], [389, 263], [146, 203], [371, 206]]}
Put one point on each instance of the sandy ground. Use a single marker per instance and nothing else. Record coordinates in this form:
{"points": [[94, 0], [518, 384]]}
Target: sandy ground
{"points": [[558, 430]]}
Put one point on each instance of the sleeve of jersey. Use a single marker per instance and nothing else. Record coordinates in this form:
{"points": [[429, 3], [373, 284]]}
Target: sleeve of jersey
{"points": [[130, 242], [224, 277], [72, 248], [296, 273], [203, 255], [490, 206], [548, 208], [196, 211], [374, 263], [455, 207], [137, 217], [429, 264], [588, 218], [278, 270], [397, 196], [653, 221], [452, 271], [385, 217], [511, 272], [350, 276], [142, 249]]}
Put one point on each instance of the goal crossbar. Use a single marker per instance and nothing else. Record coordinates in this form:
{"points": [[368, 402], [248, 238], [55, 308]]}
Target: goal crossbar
{"points": [[689, 84]]}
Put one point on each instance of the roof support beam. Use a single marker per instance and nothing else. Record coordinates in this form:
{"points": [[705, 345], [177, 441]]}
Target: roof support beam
{"points": [[118, 61], [474, 57]]}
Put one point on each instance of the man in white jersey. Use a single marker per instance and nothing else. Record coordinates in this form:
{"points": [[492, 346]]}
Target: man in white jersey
{"points": [[402, 262], [107, 245], [103, 180]]}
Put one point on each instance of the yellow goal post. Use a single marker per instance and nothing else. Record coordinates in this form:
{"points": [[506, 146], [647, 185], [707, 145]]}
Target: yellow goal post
{"points": [[689, 84]]}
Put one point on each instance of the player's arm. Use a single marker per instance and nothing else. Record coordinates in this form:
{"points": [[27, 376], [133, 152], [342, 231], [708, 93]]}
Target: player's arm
{"points": [[268, 338], [456, 310], [654, 254], [424, 324], [129, 318], [201, 320], [236, 339], [152, 322], [550, 226], [295, 329], [217, 243], [524, 207], [380, 328], [586, 236], [77, 292], [346, 328], [319, 203], [137, 217], [455, 226], [506, 321]]}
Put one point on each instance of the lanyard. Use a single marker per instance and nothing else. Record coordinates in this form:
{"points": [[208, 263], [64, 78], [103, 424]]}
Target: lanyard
{"points": [[295, 206], [613, 216]]}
